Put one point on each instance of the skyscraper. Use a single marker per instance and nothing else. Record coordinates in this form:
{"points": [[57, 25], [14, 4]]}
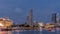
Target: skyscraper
{"points": [[29, 18], [55, 18]]}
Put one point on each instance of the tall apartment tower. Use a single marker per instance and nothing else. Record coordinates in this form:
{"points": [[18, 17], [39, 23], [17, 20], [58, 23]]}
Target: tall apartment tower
{"points": [[55, 18], [29, 18]]}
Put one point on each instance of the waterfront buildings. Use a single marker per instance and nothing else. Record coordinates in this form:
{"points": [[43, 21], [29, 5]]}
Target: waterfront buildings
{"points": [[5, 22], [30, 24]]}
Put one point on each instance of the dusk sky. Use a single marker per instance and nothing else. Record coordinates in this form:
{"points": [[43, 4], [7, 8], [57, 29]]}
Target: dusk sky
{"points": [[18, 10]]}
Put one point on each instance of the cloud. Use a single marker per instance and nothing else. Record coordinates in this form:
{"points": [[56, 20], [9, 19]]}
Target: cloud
{"points": [[18, 10]]}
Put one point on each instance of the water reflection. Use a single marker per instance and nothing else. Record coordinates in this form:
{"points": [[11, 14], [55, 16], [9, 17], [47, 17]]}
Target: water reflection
{"points": [[29, 32]]}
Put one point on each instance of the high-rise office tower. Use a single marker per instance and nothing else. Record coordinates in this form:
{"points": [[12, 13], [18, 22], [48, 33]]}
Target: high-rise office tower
{"points": [[29, 18], [55, 18]]}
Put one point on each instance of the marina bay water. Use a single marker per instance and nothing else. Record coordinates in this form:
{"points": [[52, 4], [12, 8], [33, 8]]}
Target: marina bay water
{"points": [[29, 32]]}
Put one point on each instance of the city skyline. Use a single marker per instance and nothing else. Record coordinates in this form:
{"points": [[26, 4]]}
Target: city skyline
{"points": [[18, 10]]}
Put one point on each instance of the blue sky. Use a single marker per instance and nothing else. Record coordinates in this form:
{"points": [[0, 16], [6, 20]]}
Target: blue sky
{"points": [[18, 10]]}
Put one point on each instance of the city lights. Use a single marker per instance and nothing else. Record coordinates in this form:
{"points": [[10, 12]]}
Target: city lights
{"points": [[1, 24]]}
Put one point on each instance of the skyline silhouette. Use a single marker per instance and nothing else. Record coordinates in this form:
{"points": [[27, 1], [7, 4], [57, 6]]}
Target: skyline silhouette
{"points": [[18, 10]]}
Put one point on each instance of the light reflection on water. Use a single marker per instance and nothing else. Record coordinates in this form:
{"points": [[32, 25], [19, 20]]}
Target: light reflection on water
{"points": [[29, 32]]}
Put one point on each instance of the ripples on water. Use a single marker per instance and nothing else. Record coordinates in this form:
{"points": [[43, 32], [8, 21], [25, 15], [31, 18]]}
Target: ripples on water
{"points": [[29, 32]]}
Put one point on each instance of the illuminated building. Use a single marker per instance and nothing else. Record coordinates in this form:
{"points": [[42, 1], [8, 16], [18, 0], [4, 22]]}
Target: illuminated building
{"points": [[5, 22], [48, 25], [41, 24]]}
